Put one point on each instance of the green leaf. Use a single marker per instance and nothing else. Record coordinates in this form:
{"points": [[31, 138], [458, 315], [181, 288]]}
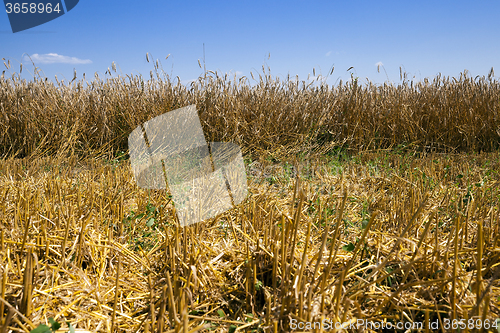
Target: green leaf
{"points": [[349, 247], [221, 313], [41, 329], [258, 285], [232, 328], [150, 222], [54, 324]]}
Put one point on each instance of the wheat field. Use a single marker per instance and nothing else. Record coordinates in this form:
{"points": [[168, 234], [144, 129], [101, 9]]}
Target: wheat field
{"points": [[368, 205]]}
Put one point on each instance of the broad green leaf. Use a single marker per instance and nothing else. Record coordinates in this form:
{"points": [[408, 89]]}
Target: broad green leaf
{"points": [[54, 324], [41, 329], [349, 247]]}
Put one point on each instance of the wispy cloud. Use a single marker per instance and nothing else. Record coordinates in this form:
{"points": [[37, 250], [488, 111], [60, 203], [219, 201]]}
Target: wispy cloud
{"points": [[54, 58], [328, 53], [233, 72]]}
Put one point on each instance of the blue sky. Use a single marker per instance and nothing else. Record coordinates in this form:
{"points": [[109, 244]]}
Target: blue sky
{"points": [[425, 37]]}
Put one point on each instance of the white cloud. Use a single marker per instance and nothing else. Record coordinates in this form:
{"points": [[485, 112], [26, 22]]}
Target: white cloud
{"points": [[328, 53], [54, 58], [233, 72]]}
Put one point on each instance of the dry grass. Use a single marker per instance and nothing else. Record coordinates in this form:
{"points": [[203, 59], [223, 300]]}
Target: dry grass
{"points": [[404, 236], [385, 235]]}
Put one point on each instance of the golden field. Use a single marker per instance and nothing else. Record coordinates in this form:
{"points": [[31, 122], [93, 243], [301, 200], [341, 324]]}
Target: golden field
{"points": [[373, 204]]}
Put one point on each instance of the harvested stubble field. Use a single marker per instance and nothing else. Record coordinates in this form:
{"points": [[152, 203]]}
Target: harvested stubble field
{"points": [[366, 203]]}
